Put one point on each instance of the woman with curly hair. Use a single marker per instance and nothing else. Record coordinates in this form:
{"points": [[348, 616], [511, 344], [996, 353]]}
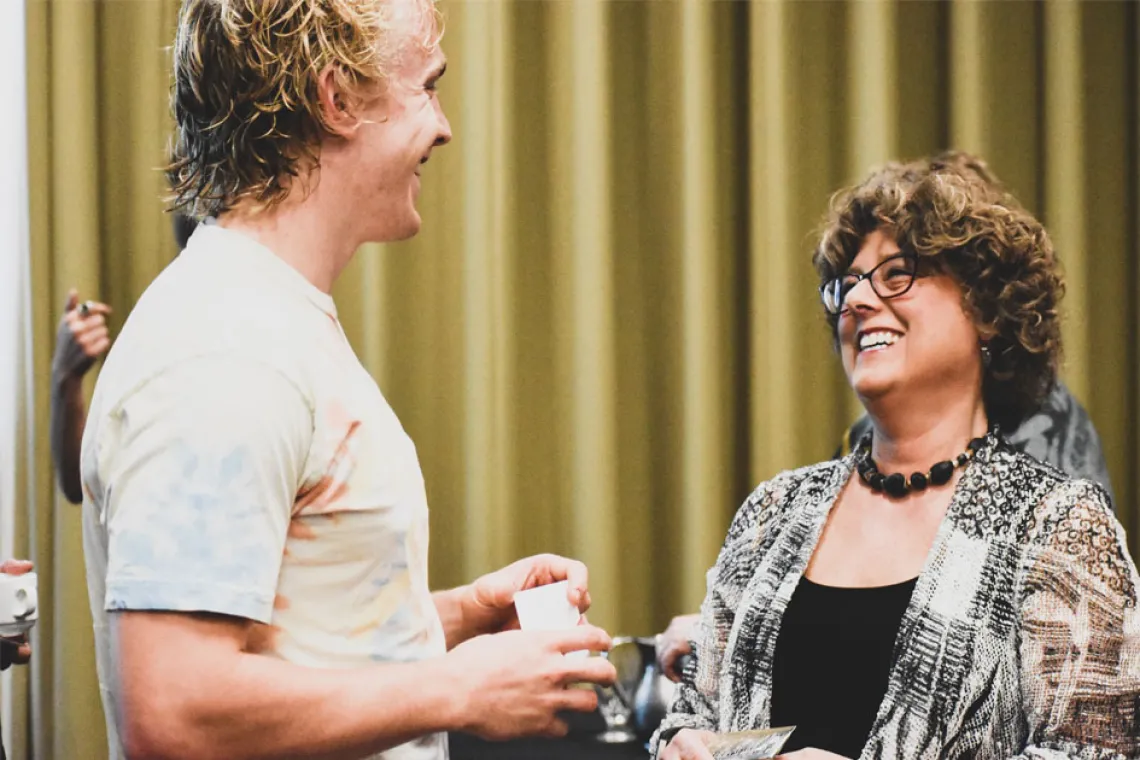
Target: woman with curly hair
{"points": [[935, 593]]}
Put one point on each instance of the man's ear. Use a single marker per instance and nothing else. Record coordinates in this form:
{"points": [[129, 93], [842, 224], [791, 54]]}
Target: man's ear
{"points": [[339, 109]]}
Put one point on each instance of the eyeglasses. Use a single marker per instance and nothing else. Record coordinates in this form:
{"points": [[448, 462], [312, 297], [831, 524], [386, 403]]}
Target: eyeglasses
{"points": [[890, 278]]}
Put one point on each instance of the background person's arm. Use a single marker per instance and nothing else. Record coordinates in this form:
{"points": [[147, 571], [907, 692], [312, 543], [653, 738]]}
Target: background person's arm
{"points": [[80, 340], [68, 419]]}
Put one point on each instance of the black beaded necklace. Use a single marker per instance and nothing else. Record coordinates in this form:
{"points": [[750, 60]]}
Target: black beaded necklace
{"points": [[897, 484]]}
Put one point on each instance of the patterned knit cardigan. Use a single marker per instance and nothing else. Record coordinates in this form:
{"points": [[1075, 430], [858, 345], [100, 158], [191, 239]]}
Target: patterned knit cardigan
{"points": [[1021, 640]]}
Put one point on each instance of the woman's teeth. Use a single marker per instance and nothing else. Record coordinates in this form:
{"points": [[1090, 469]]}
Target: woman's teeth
{"points": [[877, 340]]}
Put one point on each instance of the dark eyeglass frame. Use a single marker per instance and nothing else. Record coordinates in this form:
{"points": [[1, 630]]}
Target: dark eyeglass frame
{"points": [[837, 284]]}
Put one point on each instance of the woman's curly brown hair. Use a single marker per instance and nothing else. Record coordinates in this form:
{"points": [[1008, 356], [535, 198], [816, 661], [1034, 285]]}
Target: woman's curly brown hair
{"points": [[954, 214], [246, 108]]}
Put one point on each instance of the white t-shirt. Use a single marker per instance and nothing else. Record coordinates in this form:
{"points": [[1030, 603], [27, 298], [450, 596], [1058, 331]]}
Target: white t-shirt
{"points": [[238, 459]]}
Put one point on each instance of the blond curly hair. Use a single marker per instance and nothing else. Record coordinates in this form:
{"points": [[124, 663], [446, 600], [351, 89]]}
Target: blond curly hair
{"points": [[245, 101], [956, 216]]}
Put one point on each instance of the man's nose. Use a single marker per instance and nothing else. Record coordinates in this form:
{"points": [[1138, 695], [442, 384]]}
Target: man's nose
{"points": [[444, 136]]}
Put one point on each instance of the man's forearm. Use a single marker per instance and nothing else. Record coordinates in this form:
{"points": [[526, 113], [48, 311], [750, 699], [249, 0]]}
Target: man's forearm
{"points": [[255, 707], [68, 418]]}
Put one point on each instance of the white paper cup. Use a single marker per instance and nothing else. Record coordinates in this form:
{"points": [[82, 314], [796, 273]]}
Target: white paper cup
{"points": [[546, 608], [18, 603]]}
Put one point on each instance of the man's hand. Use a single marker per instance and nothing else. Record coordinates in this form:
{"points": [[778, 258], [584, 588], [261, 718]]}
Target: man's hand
{"points": [[488, 603], [16, 650], [688, 744], [515, 683], [674, 643], [810, 753], [81, 339]]}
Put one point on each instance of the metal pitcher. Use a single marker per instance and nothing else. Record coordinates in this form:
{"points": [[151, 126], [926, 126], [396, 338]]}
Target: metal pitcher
{"points": [[640, 697]]}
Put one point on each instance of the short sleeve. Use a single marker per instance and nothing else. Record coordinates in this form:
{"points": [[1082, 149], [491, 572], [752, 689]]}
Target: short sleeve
{"points": [[200, 467]]}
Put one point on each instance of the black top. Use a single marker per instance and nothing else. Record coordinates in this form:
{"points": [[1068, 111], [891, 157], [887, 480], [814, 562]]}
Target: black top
{"points": [[832, 662]]}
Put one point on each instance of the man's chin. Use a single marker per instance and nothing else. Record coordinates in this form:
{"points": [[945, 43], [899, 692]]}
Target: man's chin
{"points": [[410, 231], [395, 232]]}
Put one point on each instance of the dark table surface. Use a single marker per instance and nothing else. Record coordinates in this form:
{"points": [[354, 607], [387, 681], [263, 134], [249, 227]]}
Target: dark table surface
{"points": [[580, 744]]}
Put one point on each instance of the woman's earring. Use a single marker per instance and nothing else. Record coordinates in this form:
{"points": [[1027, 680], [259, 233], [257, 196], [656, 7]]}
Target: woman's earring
{"points": [[987, 357]]}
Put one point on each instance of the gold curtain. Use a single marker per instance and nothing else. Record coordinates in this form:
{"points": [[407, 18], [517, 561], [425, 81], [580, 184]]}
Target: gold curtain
{"points": [[97, 119], [607, 332]]}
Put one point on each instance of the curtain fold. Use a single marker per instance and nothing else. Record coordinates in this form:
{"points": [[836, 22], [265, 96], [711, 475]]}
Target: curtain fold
{"points": [[582, 267], [608, 331]]}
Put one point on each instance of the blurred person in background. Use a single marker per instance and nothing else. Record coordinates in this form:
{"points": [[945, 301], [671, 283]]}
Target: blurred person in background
{"points": [[1060, 432], [256, 521], [15, 650], [935, 593], [184, 227]]}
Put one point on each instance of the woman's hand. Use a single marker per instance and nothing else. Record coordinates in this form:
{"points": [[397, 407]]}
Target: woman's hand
{"points": [[688, 744], [674, 643]]}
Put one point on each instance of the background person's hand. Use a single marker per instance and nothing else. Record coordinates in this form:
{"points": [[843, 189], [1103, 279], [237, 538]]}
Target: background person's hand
{"points": [[515, 683], [489, 603], [82, 337], [688, 744], [674, 643], [15, 650]]}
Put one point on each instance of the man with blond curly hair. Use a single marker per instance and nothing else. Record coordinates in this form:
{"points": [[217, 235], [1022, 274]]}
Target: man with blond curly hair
{"points": [[255, 520]]}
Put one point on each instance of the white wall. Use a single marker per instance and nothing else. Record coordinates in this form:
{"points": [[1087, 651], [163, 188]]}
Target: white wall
{"points": [[15, 319]]}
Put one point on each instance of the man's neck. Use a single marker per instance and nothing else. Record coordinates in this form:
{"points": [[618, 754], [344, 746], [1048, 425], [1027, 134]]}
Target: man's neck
{"points": [[912, 439], [308, 233]]}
